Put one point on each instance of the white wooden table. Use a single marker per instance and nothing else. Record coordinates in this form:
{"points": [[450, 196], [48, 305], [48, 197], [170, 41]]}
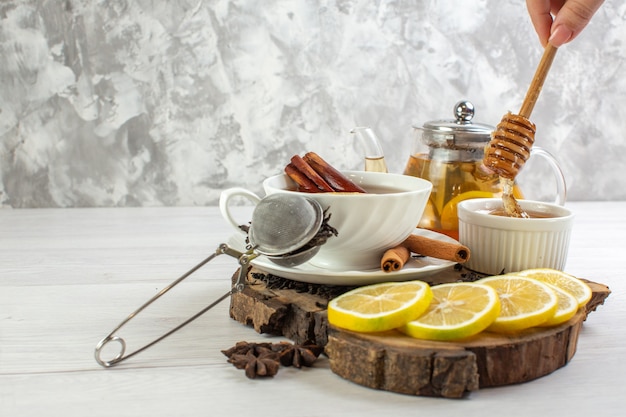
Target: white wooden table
{"points": [[69, 276]]}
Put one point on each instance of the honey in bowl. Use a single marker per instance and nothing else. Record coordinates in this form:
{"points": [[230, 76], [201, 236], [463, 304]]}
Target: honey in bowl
{"points": [[532, 214]]}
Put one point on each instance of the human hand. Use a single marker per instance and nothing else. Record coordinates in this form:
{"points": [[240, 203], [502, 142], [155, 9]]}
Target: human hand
{"points": [[570, 18]]}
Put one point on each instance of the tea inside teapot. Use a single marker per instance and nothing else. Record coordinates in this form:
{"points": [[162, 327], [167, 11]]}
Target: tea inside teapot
{"points": [[453, 182]]}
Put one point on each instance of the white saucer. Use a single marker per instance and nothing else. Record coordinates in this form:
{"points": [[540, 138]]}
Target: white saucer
{"points": [[416, 268]]}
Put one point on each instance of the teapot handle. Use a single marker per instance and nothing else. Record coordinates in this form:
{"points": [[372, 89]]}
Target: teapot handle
{"points": [[561, 189]]}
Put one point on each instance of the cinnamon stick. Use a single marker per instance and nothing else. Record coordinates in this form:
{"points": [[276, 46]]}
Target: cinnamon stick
{"points": [[301, 165], [303, 182], [338, 181], [449, 251], [395, 258]]}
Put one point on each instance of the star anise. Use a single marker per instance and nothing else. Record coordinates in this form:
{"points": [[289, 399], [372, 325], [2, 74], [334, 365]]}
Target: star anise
{"points": [[266, 364], [242, 348], [297, 355], [264, 359]]}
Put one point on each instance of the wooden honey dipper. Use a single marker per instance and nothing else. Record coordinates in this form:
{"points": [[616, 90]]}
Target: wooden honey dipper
{"points": [[510, 144]]}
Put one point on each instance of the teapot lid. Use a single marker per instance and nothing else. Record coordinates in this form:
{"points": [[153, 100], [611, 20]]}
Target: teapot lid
{"points": [[461, 131]]}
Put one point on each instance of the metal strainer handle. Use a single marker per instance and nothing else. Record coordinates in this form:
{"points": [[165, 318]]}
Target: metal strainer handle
{"points": [[238, 286]]}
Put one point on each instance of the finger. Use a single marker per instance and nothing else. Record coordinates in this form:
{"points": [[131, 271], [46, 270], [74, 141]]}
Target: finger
{"points": [[571, 19], [539, 11]]}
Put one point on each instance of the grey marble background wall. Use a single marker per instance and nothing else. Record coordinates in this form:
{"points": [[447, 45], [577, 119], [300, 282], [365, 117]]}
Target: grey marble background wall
{"points": [[149, 102]]}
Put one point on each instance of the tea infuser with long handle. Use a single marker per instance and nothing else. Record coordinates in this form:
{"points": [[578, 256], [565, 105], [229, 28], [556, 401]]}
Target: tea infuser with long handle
{"points": [[282, 227]]}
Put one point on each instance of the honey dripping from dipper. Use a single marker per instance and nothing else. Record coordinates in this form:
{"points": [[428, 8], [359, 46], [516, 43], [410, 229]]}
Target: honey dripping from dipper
{"points": [[510, 144], [507, 152]]}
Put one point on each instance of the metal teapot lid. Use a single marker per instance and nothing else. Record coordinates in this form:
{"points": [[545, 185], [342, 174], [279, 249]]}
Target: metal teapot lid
{"points": [[460, 132]]}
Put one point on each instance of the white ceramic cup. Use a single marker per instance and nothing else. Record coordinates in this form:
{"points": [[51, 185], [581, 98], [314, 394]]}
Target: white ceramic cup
{"points": [[501, 244], [367, 224]]}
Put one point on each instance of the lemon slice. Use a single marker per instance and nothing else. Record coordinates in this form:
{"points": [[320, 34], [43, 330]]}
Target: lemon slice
{"points": [[566, 307], [379, 307], [524, 302], [457, 311], [449, 216], [560, 279]]}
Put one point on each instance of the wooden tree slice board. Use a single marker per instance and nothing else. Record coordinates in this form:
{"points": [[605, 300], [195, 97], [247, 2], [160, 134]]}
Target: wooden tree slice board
{"points": [[395, 362]]}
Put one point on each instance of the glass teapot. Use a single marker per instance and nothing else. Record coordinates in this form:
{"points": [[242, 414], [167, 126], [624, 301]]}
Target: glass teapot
{"points": [[449, 154]]}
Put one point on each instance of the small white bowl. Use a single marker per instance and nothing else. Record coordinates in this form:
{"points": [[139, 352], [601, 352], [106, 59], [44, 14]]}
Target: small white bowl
{"points": [[501, 244]]}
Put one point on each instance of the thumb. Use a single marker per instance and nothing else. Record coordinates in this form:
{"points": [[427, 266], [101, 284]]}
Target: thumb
{"points": [[572, 19]]}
